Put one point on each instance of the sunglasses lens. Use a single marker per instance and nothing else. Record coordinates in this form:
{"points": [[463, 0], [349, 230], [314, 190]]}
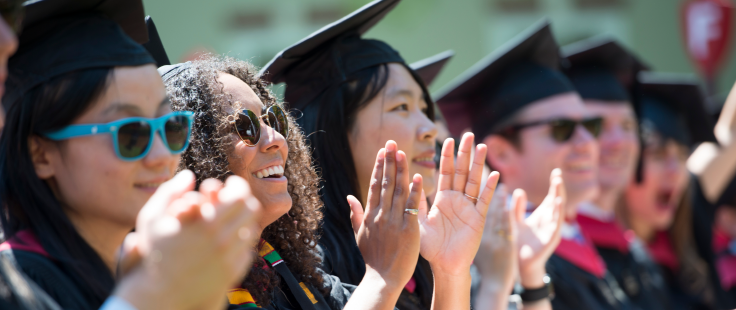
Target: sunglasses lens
{"points": [[133, 139], [562, 130], [277, 120], [593, 126], [177, 132], [248, 127]]}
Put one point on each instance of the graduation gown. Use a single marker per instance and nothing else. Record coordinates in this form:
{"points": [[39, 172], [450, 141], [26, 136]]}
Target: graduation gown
{"points": [[342, 258], [293, 295], [51, 278], [725, 262], [580, 278], [664, 255], [627, 261]]}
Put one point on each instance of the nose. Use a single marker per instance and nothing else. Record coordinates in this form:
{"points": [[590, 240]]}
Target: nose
{"points": [[427, 130], [583, 141], [611, 137], [160, 155], [271, 140]]}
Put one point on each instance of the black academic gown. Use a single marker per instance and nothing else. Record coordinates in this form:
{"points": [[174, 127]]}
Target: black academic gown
{"points": [[290, 297], [703, 221], [341, 257], [627, 261], [580, 278], [725, 262], [50, 278], [17, 292]]}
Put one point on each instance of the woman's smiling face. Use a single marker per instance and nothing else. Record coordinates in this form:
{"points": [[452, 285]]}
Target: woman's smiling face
{"points": [[399, 113], [261, 165]]}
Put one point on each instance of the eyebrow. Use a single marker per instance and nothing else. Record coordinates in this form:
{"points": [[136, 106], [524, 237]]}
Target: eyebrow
{"points": [[393, 93]]}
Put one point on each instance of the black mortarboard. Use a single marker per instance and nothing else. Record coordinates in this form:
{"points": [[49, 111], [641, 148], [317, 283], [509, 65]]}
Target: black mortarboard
{"points": [[602, 69], [154, 46], [524, 70], [327, 56], [429, 68], [61, 36], [674, 105]]}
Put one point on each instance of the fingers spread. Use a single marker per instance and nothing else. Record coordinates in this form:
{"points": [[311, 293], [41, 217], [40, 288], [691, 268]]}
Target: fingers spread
{"points": [[389, 179], [414, 202], [401, 189], [463, 162], [423, 208], [519, 201], [356, 213], [374, 192], [447, 165], [484, 200], [475, 178]]}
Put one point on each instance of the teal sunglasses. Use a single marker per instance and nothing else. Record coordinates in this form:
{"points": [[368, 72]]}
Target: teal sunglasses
{"points": [[133, 137]]}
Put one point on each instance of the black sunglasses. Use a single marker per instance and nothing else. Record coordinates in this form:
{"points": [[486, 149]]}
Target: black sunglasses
{"points": [[12, 12], [562, 129], [248, 126]]}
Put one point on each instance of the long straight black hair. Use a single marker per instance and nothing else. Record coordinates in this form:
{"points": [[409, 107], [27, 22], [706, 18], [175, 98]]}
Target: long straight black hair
{"points": [[27, 201], [327, 121]]}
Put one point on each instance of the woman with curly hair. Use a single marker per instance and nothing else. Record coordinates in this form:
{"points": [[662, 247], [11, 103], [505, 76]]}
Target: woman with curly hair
{"points": [[241, 129]]}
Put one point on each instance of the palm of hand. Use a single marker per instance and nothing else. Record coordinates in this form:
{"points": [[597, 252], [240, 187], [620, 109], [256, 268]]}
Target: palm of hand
{"points": [[452, 230], [539, 233]]}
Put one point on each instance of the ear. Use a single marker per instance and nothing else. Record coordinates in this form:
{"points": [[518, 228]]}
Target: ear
{"points": [[41, 152], [501, 154]]}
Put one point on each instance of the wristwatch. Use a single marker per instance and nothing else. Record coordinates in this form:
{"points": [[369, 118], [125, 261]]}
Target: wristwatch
{"points": [[537, 294]]}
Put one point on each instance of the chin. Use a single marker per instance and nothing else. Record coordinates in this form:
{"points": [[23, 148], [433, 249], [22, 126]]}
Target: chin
{"points": [[582, 191], [275, 206]]}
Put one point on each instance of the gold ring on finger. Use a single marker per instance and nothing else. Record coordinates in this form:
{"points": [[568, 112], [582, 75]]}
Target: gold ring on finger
{"points": [[475, 199], [411, 211]]}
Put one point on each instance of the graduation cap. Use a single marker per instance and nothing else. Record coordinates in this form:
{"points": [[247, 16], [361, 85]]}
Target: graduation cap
{"points": [[714, 163], [602, 69], [429, 68], [674, 105], [327, 56], [522, 71], [154, 46], [61, 36]]}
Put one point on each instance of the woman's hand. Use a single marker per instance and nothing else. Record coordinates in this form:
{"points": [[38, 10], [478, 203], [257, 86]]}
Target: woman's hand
{"points": [[497, 259], [388, 237], [191, 245], [451, 232], [539, 234]]}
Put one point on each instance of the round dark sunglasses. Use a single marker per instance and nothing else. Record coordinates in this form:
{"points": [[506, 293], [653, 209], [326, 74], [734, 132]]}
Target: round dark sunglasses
{"points": [[562, 129], [248, 126]]}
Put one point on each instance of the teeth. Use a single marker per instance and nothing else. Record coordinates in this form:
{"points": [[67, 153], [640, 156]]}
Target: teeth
{"points": [[273, 170]]}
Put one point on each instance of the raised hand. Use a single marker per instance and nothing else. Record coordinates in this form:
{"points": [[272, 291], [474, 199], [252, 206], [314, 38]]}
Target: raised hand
{"points": [[219, 222], [539, 234], [387, 234], [497, 259], [451, 231]]}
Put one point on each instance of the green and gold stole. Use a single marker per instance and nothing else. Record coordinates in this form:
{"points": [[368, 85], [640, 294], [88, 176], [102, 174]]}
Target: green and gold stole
{"points": [[241, 297]]}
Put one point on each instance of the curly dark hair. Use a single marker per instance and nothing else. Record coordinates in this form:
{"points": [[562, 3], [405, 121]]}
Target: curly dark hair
{"points": [[294, 235]]}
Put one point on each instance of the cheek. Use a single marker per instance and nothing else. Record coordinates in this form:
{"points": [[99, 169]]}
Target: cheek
{"points": [[240, 160], [93, 181]]}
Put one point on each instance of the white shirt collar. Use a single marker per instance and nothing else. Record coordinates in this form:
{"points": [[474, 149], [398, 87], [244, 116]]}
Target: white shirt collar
{"points": [[591, 210]]}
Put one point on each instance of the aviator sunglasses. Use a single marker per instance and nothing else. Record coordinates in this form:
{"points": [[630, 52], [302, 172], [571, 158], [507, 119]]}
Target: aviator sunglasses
{"points": [[248, 125], [133, 137], [562, 129]]}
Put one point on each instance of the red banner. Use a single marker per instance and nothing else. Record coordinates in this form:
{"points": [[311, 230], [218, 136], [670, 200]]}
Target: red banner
{"points": [[707, 30]]}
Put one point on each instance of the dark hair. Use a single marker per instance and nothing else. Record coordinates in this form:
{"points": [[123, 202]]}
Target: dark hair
{"points": [[327, 120], [197, 89], [28, 202]]}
